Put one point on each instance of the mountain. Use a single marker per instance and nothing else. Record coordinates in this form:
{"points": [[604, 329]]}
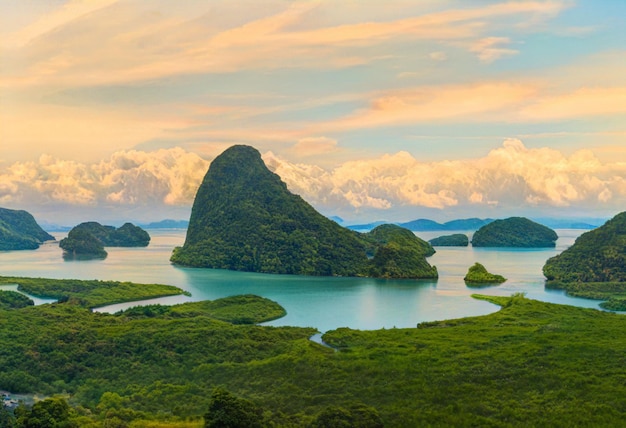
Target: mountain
{"points": [[20, 231], [244, 218], [572, 223], [426, 225], [90, 238], [596, 256], [166, 224], [514, 232], [454, 240]]}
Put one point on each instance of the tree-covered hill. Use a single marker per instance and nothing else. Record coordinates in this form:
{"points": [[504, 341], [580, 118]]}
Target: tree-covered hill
{"points": [[244, 218], [478, 275], [595, 266], [399, 254], [530, 364], [454, 240], [514, 232], [20, 231], [90, 238]]}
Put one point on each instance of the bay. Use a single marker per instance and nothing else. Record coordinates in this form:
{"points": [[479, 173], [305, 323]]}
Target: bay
{"points": [[320, 302]]}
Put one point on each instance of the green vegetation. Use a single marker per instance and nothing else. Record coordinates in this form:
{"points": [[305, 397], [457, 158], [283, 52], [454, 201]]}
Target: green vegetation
{"points": [[614, 304], [399, 254], [595, 266], [244, 218], [530, 364], [454, 240], [90, 294], [81, 244], [514, 232], [14, 300], [20, 231], [477, 275], [87, 240]]}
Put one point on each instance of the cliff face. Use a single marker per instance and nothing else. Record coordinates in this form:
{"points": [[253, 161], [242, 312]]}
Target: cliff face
{"points": [[514, 232], [244, 218], [20, 231], [597, 256]]}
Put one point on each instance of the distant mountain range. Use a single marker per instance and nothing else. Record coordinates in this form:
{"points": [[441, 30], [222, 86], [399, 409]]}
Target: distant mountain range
{"points": [[426, 225]]}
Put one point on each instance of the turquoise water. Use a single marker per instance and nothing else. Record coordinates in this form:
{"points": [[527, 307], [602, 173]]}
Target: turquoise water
{"points": [[320, 302]]}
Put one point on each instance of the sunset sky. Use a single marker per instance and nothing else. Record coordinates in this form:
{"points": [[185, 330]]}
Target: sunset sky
{"points": [[370, 110]]}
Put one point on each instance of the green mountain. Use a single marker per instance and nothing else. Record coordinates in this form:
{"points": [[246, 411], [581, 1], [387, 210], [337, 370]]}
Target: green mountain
{"points": [[454, 240], [477, 274], [90, 238], [20, 231], [597, 256], [514, 232], [244, 218]]}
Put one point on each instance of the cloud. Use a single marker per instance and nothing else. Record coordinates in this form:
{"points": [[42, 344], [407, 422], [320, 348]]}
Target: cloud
{"points": [[164, 177], [107, 42], [489, 49], [313, 146], [582, 102], [511, 176]]}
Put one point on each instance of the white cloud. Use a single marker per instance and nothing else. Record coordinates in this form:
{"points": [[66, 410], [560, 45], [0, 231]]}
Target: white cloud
{"points": [[510, 177]]}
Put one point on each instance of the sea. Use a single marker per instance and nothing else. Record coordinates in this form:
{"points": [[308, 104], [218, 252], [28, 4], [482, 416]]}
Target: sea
{"points": [[320, 302]]}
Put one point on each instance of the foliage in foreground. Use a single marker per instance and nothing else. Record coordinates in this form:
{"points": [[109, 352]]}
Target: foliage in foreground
{"points": [[530, 364], [90, 293]]}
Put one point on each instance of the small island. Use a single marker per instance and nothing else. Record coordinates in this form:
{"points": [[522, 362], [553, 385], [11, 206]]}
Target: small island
{"points": [[477, 275], [87, 240], [20, 231], [515, 232], [454, 240]]}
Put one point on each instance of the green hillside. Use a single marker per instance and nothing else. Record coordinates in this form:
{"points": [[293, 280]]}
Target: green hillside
{"points": [[514, 232], [595, 266], [529, 364], [20, 231], [244, 218]]}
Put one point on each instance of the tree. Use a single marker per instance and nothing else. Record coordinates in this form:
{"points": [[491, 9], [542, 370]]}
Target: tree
{"points": [[229, 411]]}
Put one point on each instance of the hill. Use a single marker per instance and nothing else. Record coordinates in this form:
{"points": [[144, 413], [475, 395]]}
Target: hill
{"points": [[595, 266], [400, 254], [426, 225], [244, 218], [167, 224], [454, 240], [530, 364], [20, 231], [89, 239], [514, 232], [478, 275]]}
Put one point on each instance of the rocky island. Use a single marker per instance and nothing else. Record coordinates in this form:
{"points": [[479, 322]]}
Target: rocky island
{"points": [[244, 218], [517, 232], [20, 231], [87, 240], [595, 266]]}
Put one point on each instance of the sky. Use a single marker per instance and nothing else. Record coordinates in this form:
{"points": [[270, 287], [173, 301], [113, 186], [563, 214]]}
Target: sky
{"points": [[112, 110]]}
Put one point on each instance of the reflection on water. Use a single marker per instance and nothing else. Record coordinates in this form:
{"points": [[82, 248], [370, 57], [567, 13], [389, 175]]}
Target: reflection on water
{"points": [[321, 302]]}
